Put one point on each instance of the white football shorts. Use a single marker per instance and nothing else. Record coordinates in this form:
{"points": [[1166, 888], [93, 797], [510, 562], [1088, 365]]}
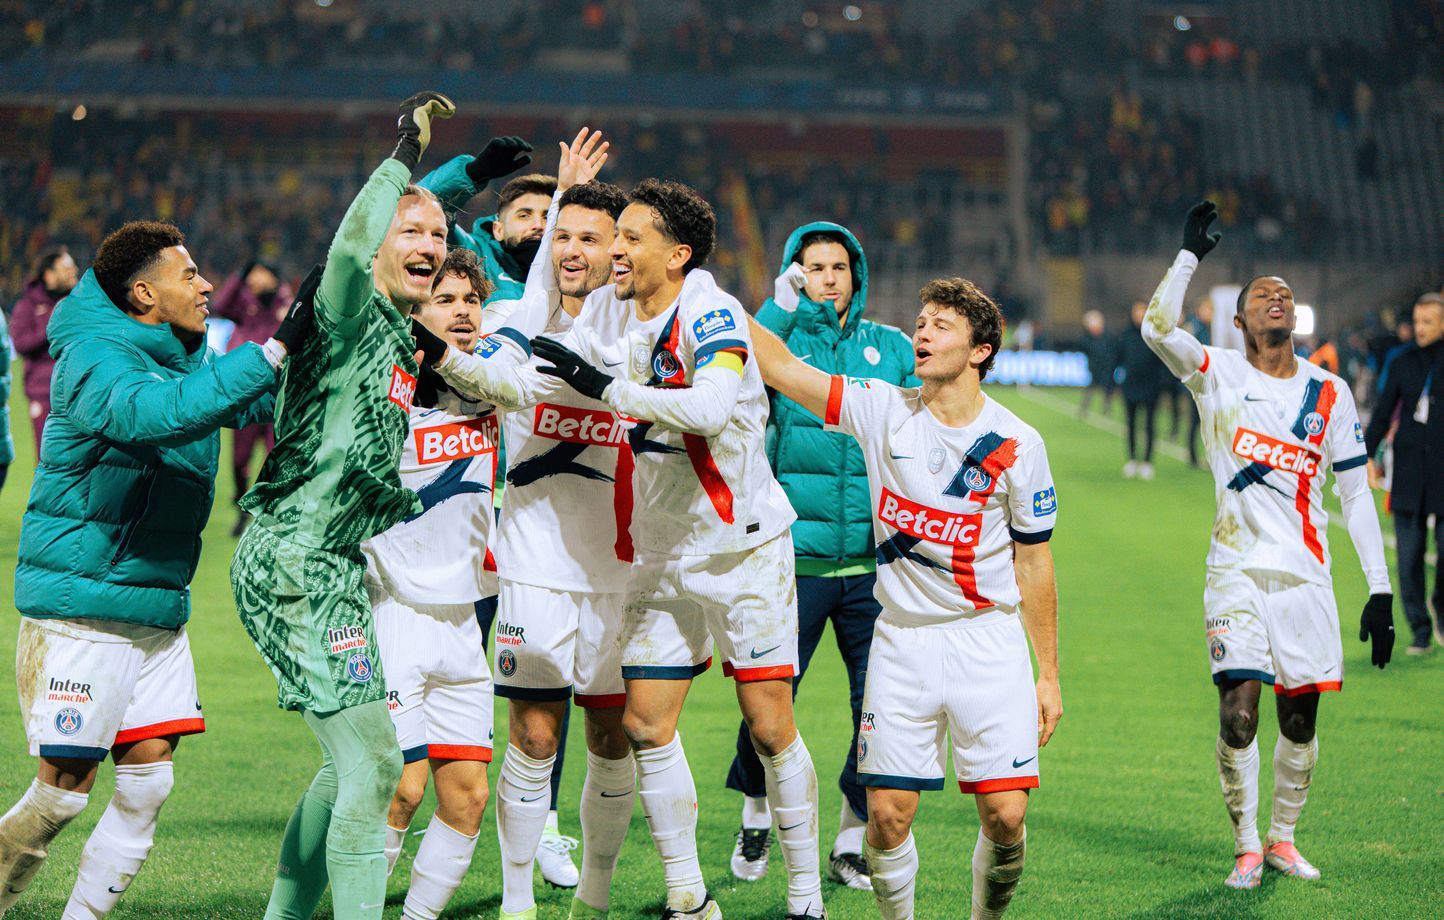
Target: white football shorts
{"points": [[969, 683], [438, 687], [745, 602], [89, 685], [551, 645], [1279, 630]]}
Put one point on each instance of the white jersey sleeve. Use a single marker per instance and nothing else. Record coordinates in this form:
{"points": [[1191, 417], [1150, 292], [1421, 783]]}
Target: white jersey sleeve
{"points": [[1032, 498]]}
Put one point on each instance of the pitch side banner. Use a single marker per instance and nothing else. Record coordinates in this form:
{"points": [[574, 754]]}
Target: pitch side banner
{"points": [[1041, 368]]}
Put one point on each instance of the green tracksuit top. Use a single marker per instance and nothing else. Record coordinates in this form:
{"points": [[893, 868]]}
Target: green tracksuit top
{"points": [[341, 418]]}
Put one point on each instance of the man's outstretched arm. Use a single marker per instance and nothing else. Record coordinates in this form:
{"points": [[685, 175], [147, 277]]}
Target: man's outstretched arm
{"points": [[787, 374], [1176, 346]]}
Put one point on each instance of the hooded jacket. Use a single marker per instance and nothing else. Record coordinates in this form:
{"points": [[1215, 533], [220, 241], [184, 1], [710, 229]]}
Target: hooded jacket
{"points": [[450, 183], [112, 530], [823, 472]]}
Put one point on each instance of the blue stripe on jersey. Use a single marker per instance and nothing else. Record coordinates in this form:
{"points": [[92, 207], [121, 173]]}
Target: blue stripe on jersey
{"points": [[554, 462], [1310, 404], [975, 456], [1351, 463], [900, 546], [516, 338], [637, 437], [451, 483]]}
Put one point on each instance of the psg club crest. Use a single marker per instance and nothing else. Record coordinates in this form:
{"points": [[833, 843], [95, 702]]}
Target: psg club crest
{"points": [[977, 479], [1313, 423], [1215, 649], [935, 459], [506, 663], [861, 749], [664, 365], [358, 667], [68, 721]]}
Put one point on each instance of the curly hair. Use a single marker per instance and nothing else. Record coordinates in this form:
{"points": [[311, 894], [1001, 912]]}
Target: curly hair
{"points": [[596, 196], [530, 184], [129, 252], [682, 215], [968, 300], [465, 264]]}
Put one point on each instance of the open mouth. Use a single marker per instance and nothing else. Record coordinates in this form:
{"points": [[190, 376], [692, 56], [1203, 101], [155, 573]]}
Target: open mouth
{"points": [[420, 271], [1276, 311], [921, 354], [621, 271], [574, 267], [461, 328]]}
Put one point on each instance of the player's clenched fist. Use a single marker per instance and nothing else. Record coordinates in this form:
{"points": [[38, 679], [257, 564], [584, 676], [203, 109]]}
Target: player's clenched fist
{"points": [[413, 125], [1050, 709]]}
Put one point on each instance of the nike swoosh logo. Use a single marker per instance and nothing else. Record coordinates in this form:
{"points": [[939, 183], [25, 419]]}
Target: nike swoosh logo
{"points": [[532, 799], [791, 826], [112, 889], [198, 705], [608, 795], [611, 363], [896, 457], [1019, 763], [756, 654], [1248, 398], [804, 357]]}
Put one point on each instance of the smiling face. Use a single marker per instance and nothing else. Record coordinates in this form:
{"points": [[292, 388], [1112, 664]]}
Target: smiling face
{"points": [[828, 268], [642, 253], [412, 252], [453, 312], [1268, 309], [579, 249], [172, 291], [943, 346]]}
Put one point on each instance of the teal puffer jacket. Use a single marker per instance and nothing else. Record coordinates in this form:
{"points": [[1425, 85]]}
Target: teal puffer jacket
{"points": [[823, 472], [127, 472]]}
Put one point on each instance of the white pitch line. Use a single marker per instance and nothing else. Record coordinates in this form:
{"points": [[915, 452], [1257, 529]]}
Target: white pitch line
{"points": [[1167, 448]]}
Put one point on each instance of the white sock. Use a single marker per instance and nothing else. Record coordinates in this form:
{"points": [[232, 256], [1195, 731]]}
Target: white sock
{"points": [[523, 797], [121, 841], [1238, 774], [894, 874], [1293, 770], [756, 816], [441, 863], [996, 870], [26, 831], [395, 837], [792, 792], [849, 830], [669, 801], [607, 797], [552, 825]]}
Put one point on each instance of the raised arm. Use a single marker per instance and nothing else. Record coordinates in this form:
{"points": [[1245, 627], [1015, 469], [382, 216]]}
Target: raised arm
{"points": [[1176, 346], [787, 374]]}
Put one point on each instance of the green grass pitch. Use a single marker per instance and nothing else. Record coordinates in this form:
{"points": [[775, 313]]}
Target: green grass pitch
{"points": [[1128, 822]]}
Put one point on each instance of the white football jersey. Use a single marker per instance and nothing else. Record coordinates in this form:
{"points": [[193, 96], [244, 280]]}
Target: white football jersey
{"points": [[568, 489], [449, 460], [695, 495], [1270, 443], [948, 503]]}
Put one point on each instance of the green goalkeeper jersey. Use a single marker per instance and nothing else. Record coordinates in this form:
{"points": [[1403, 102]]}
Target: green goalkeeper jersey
{"points": [[341, 415]]}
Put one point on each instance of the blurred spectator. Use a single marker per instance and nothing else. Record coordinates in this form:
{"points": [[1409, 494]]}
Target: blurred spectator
{"points": [[1144, 377], [1101, 351], [54, 276]]}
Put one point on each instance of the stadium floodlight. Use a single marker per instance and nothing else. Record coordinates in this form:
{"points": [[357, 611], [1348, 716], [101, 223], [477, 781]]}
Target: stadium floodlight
{"points": [[1303, 319]]}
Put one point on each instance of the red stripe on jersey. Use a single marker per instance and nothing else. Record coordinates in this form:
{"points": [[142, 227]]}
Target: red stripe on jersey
{"points": [[1323, 687], [622, 501], [473, 752], [1301, 504], [160, 730], [834, 400], [489, 563], [1327, 397], [999, 785], [966, 578], [994, 464], [707, 473], [1203, 368]]}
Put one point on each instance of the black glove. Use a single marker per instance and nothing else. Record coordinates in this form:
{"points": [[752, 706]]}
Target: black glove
{"points": [[301, 317], [432, 346], [413, 126], [570, 367], [501, 156], [429, 387], [1196, 238], [1377, 623]]}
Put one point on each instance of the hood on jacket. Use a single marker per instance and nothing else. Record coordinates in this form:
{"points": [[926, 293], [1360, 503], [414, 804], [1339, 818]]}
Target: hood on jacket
{"points": [[87, 313], [792, 250]]}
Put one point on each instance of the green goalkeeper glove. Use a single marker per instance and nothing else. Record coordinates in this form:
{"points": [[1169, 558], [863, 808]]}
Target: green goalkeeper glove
{"points": [[413, 126]]}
